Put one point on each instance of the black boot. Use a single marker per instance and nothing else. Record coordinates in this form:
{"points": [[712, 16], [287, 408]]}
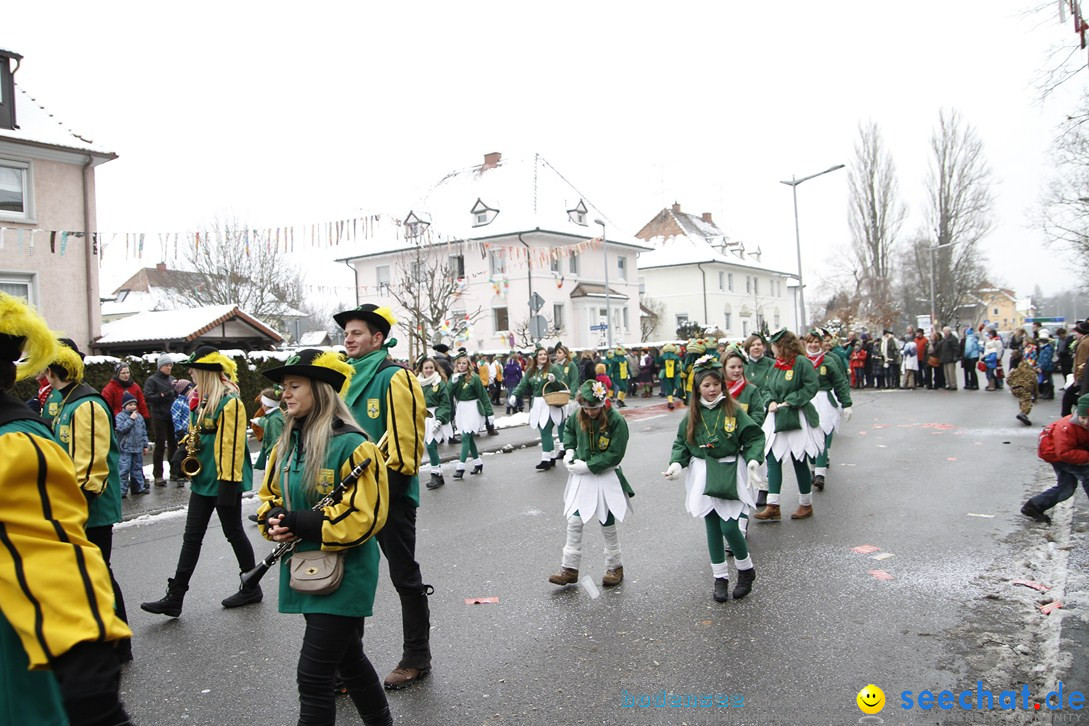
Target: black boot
{"points": [[436, 480], [170, 605], [722, 589], [477, 469], [491, 430], [762, 498], [381, 718], [818, 482], [745, 578], [246, 595], [544, 465], [459, 473]]}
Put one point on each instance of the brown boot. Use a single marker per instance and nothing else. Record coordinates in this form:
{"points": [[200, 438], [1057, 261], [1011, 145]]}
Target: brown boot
{"points": [[804, 511], [613, 577], [565, 576], [770, 513], [402, 677]]}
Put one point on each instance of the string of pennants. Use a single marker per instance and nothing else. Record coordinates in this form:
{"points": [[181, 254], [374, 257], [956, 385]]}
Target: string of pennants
{"points": [[1073, 7]]}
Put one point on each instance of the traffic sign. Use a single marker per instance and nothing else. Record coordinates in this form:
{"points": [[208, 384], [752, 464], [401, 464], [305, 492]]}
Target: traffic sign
{"points": [[536, 302], [538, 325], [602, 326]]}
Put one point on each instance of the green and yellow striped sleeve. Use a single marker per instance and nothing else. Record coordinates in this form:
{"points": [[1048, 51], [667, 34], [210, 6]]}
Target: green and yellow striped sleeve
{"points": [[230, 446], [89, 446], [361, 512], [54, 587], [405, 414]]}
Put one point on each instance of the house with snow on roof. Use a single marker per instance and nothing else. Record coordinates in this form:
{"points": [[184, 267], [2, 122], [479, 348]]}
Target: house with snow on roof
{"points": [[185, 330], [467, 259], [696, 273], [47, 210]]}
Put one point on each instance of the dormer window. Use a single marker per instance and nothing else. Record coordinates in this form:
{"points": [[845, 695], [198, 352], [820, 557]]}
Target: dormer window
{"points": [[416, 223], [577, 214], [482, 213]]}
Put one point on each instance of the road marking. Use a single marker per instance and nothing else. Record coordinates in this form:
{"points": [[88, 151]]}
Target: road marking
{"points": [[865, 549], [985, 516], [881, 575], [481, 601]]}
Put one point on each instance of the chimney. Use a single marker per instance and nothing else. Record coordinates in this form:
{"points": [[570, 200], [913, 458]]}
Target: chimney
{"points": [[7, 89], [491, 160], [707, 218], [161, 266], [676, 208]]}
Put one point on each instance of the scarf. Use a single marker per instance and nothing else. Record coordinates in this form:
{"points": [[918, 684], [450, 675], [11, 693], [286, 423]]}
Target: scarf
{"points": [[269, 404], [783, 365], [816, 361], [737, 387], [711, 404], [430, 380], [365, 368]]}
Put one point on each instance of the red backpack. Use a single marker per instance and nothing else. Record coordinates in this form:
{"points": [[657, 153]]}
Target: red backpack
{"points": [[1045, 446]]}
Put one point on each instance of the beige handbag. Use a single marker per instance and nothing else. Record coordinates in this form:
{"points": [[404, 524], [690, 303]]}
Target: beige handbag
{"points": [[316, 572]]}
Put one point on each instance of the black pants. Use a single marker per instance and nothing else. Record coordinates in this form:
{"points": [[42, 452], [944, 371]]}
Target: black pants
{"points": [[164, 441], [102, 537], [89, 677], [971, 375], [228, 507], [398, 542], [332, 645], [1070, 400]]}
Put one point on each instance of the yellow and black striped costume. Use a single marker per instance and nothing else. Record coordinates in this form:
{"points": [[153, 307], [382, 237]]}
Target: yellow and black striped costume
{"points": [[223, 453], [84, 426]]}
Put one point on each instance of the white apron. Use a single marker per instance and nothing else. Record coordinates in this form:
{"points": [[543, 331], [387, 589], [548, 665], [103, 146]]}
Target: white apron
{"points": [[445, 432], [468, 418], [700, 505], [595, 494], [799, 443], [828, 411], [540, 413]]}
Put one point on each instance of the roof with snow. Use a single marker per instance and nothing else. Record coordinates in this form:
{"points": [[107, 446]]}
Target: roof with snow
{"points": [[501, 198], [693, 250], [182, 329], [40, 127], [314, 338], [156, 288]]}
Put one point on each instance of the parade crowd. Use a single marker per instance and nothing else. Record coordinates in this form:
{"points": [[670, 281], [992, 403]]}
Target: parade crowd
{"points": [[344, 440]]}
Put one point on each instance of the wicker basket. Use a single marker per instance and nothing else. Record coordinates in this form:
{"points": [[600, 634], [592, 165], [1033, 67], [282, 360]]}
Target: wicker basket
{"points": [[559, 397]]}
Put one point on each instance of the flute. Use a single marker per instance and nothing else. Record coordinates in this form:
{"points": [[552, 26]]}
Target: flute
{"points": [[254, 576]]}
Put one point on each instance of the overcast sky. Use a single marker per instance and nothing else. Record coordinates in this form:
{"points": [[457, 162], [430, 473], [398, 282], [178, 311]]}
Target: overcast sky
{"points": [[288, 113]]}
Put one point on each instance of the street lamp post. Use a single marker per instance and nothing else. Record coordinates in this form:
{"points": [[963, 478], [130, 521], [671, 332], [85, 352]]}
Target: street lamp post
{"points": [[793, 184], [608, 299]]}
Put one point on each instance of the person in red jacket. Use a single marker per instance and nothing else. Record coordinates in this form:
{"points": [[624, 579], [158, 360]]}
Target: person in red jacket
{"points": [[119, 385], [1068, 454]]}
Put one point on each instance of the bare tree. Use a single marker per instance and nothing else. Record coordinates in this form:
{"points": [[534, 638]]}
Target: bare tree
{"points": [[875, 216], [648, 323], [428, 287], [523, 338], [239, 266], [1064, 205], [958, 217]]}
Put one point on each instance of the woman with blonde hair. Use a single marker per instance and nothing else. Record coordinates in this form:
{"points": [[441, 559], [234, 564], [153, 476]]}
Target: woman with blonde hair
{"points": [[320, 446], [225, 471]]}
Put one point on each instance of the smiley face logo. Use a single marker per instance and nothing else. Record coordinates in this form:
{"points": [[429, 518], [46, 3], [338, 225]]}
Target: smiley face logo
{"points": [[870, 699]]}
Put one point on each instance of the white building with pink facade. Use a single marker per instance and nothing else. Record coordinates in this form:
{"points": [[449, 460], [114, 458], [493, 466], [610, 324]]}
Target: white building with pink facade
{"points": [[485, 241]]}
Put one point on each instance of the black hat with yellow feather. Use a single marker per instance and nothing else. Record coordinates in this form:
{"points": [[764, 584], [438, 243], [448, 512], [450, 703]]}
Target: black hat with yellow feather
{"points": [[208, 358], [69, 359], [379, 316], [24, 337], [318, 365]]}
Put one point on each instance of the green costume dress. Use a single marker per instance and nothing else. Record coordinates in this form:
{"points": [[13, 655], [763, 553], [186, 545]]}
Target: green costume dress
{"points": [[472, 407], [541, 415], [273, 425], [672, 374], [833, 395], [601, 446], [757, 372], [793, 431], [437, 428]]}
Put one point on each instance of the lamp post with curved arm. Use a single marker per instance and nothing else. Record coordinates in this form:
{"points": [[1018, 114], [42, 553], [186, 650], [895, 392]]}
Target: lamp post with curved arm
{"points": [[793, 184]]}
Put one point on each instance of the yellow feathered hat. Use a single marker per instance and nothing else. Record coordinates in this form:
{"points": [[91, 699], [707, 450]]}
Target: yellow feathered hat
{"points": [[208, 358], [23, 330], [318, 365], [69, 357]]}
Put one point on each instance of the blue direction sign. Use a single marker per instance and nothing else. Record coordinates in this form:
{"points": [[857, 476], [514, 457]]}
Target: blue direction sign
{"points": [[601, 326]]}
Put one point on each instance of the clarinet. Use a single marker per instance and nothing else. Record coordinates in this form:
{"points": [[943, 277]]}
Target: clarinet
{"points": [[254, 576]]}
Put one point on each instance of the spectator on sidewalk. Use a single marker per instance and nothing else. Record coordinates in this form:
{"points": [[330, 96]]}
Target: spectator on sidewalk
{"points": [[132, 441], [1045, 364], [969, 359], [922, 344], [1065, 445], [159, 392], [512, 376], [120, 384], [949, 355], [185, 402], [1081, 355], [911, 363]]}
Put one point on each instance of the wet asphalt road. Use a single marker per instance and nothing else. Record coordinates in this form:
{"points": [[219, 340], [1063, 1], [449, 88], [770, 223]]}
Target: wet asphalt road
{"points": [[908, 472]]}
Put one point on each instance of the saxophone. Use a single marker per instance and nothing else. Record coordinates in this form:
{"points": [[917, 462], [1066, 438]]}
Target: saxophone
{"points": [[190, 465]]}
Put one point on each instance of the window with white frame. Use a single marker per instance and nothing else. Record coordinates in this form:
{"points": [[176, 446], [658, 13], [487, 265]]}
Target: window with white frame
{"points": [[728, 315], [496, 263], [573, 264], [722, 281], [19, 285], [382, 279], [500, 320], [456, 265], [554, 265], [14, 190], [775, 317], [642, 286], [756, 286], [558, 317], [622, 267], [682, 319], [730, 281], [748, 283], [625, 314]]}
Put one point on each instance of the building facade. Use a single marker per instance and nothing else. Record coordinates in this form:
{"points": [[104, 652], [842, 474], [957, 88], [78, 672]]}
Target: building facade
{"points": [[47, 211], [466, 261], [695, 273]]}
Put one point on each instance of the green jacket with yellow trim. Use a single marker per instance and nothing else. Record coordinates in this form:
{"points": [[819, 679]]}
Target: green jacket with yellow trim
{"points": [[223, 452], [348, 526], [832, 380], [601, 445], [718, 436], [469, 387], [795, 388], [45, 557], [392, 401], [437, 396], [84, 426]]}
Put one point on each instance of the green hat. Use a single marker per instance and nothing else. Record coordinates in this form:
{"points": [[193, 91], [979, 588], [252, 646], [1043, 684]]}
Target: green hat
{"points": [[696, 346], [778, 335], [1083, 405], [735, 349], [382, 317], [592, 394], [705, 363], [318, 365]]}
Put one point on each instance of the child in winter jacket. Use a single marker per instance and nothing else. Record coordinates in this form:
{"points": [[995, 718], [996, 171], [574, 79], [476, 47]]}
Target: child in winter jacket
{"points": [[132, 441], [1023, 385], [603, 378]]}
